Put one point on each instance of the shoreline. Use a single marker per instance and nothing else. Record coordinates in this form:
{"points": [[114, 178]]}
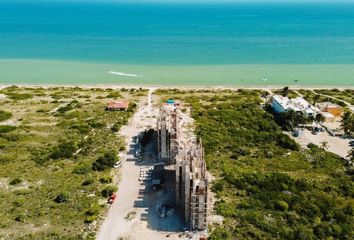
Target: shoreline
{"points": [[196, 87], [42, 72]]}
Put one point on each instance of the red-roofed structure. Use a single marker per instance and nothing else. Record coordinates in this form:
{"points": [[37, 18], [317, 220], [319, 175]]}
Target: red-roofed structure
{"points": [[118, 106]]}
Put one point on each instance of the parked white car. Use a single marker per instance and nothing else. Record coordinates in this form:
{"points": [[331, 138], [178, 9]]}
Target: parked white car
{"points": [[118, 164]]}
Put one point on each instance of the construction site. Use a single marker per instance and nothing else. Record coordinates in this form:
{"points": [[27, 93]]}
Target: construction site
{"points": [[179, 149], [163, 185]]}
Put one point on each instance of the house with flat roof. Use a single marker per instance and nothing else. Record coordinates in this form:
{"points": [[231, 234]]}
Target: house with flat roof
{"points": [[282, 104]]}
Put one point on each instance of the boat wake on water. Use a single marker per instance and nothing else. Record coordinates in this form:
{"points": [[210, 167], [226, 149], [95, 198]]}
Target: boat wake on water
{"points": [[124, 74]]}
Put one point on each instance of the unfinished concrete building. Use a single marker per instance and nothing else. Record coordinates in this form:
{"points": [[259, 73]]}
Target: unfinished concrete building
{"points": [[167, 122], [178, 146]]}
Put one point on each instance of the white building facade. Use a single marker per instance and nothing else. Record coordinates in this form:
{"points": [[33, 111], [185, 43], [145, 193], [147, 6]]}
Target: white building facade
{"points": [[282, 104]]}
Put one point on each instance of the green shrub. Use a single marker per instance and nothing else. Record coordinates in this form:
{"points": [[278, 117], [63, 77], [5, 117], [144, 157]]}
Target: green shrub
{"points": [[65, 109], [82, 169], [70, 106], [6, 128], [15, 181], [63, 150], [82, 128], [20, 96], [62, 197], [11, 137], [282, 205], [116, 127], [4, 115], [94, 210], [105, 162], [108, 191], [114, 95], [20, 218], [286, 142], [41, 111], [90, 219], [88, 182], [106, 179], [96, 124], [218, 186], [220, 234]]}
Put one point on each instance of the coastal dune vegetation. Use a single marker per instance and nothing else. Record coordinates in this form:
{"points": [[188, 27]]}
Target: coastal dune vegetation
{"points": [[266, 185], [57, 149]]}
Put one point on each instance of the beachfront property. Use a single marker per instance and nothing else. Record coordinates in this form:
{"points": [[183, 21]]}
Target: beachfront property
{"points": [[331, 108], [282, 104], [178, 146], [117, 106]]}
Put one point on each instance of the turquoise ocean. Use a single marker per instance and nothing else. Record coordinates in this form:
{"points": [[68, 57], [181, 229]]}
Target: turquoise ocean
{"points": [[190, 44]]}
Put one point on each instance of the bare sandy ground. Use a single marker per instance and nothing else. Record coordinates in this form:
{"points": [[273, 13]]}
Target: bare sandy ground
{"points": [[337, 145]]}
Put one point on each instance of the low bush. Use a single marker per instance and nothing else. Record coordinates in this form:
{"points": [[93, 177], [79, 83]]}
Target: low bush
{"points": [[114, 95], [82, 169], [4, 115], [105, 162], [20, 96], [108, 191], [88, 182], [106, 179], [63, 150], [70, 106], [7, 128], [15, 181], [62, 197]]}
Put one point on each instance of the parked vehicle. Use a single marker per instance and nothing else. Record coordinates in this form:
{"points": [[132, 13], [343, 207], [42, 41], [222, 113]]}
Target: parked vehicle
{"points": [[118, 164], [314, 132], [112, 198]]}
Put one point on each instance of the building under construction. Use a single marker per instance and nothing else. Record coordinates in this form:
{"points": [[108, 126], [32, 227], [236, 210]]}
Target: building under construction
{"points": [[178, 147]]}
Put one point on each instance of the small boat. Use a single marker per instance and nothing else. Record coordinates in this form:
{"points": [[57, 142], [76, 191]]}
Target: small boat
{"points": [[264, 79]]}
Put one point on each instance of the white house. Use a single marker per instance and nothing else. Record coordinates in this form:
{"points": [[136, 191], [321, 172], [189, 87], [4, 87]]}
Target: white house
{"points": [[283, 104]]}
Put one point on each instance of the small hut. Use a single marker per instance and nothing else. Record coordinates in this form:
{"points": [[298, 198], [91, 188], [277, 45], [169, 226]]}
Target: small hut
{"points": [[117, 106]]}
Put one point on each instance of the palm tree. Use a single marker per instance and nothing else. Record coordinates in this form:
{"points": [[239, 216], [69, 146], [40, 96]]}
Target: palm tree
{"points": [[319, 118], [347, 122], [324, 145], [285, 91]]}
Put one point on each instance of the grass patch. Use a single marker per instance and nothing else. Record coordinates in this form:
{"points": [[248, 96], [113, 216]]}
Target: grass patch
{"points": [[5, 115], [6, 128], [52, 152]]}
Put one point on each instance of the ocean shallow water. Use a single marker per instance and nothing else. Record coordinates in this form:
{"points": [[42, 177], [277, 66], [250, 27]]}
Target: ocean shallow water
{"points": [[70, 42], [68, 72]]}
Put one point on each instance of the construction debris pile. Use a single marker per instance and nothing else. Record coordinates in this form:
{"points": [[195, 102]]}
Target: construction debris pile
{"points": [[178, 146]]}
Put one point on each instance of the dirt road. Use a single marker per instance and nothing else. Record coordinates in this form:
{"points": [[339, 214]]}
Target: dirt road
{"points": [[132, 215]]}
